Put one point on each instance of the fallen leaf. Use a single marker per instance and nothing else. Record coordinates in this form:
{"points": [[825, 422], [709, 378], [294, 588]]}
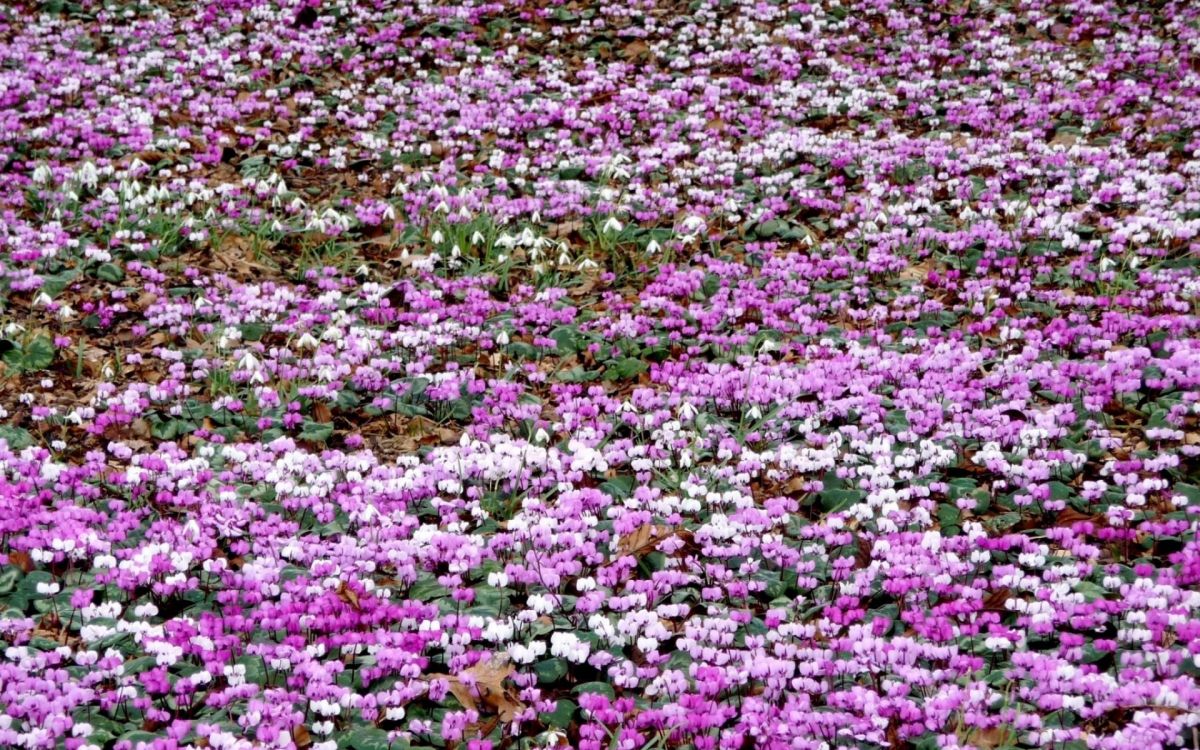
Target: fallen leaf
{"points": [[643, 540], [565, 229], [321, 413], [484, 688], [349, 596], [22, 560], [636, 49]]}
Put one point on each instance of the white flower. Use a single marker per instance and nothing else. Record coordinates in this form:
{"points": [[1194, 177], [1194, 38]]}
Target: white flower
{"points": [[88, 174], [47, 588], [497, 579], [248, 362], [647, 645], [203, 677], [568, 646], [652, 247], [42, 175], [502, 338], [526, 654], [437, 237], [145, 610], [307, 341], [612, 225], [541, 436]]}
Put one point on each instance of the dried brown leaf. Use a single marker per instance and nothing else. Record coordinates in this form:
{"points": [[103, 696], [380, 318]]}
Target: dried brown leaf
{"points": [[21, 559]]}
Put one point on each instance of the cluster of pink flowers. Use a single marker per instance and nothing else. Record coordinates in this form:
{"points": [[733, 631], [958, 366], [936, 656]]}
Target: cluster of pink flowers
{"points": [[613, 375]]}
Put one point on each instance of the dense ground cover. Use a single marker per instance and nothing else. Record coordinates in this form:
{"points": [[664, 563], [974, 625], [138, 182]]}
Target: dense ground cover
{"points": [[719, 374]]}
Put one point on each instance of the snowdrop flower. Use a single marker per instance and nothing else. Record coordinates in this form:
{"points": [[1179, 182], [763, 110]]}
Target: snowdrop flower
{"points": [[612, 225], [652, 247], [502, 338], [42, 174], [248, 362], [307, 341], [88, 174], [437, 237]]}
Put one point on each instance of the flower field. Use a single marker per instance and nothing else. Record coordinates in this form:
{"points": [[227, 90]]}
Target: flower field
{"points": [[630, 375]]}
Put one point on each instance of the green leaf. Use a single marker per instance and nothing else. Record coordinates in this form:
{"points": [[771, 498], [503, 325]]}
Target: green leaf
{"points": [[17, 438], [54, 284], [253, 331], [550, 670], [578, 375], [602, 688], [619, 487], [1091, 591], [137, 736], [769, 229], [110, 272], [948, 515], [1190, 491], [564, 711], [317, 432], [427, 590], [625, 368], [1004, 521], [367, 738], [36, 354], [9, 575], [566, 339], [834, 500]]}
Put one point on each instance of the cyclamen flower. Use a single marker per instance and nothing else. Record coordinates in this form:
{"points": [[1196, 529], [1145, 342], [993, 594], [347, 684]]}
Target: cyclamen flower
{"points": [[526, 654], [569, 647]]}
